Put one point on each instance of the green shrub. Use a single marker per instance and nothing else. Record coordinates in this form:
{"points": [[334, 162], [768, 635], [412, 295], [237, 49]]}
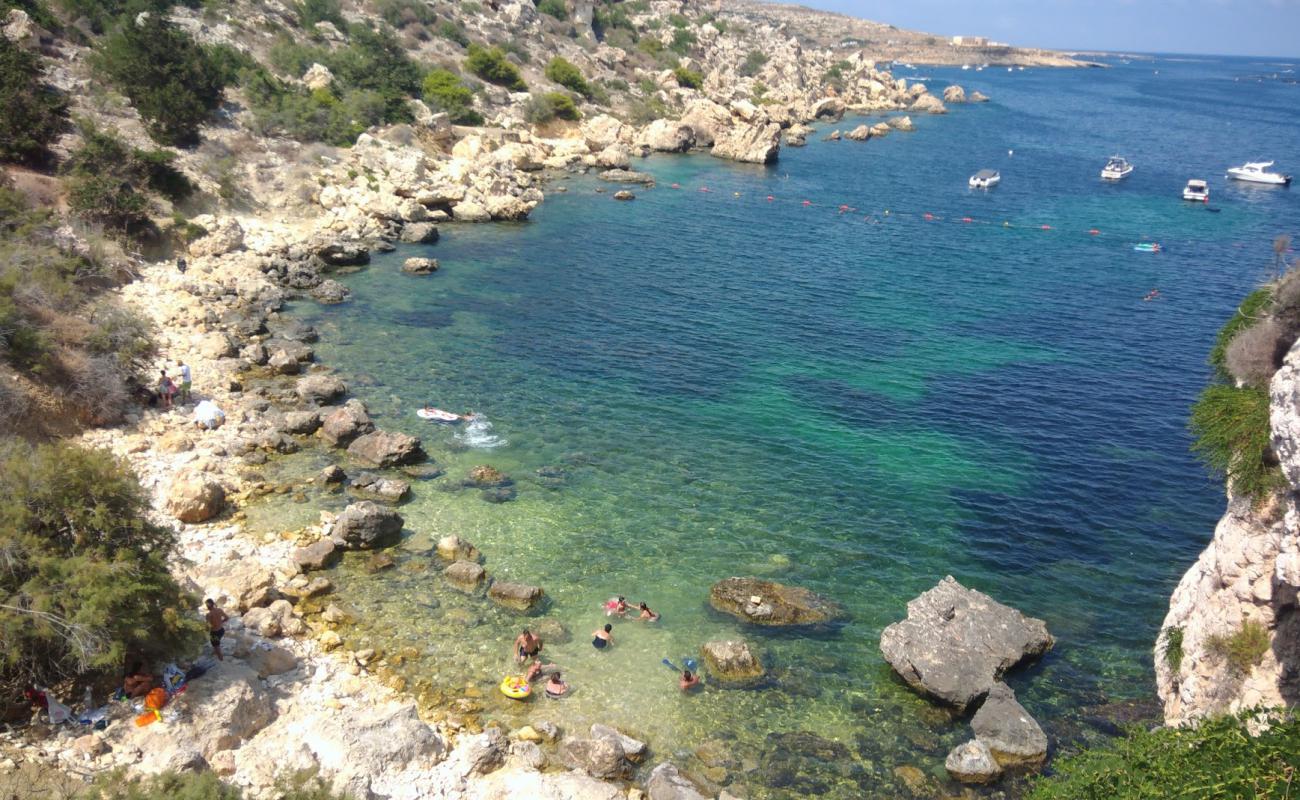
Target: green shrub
{"points": [[834, 76], [35, 9], [1172, 638], [683, 41], [312, 116], [643, 112], [687, 78], [453, 32], [491, 65], [679, 20], [567, 75], [1231, 426], [34, 113], [554, 8], [229, 62], [471, 7], [86, 581], [1242, 649], [650, 45], [198, 786], [312, 11], [1251, 310], [605, 19], [754, 62], [293, 58], [376, 62], [400, 13], [443, 91], [170, 79], [110, 182], [1219, 758], [550, 106], [102, 14]]}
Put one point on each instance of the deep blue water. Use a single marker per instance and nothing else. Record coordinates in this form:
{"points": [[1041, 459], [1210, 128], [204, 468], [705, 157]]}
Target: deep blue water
{"points": [[842, 395]]}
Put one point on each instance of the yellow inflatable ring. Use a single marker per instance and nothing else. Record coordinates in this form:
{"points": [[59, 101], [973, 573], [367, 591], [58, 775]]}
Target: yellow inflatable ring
{"points": [[516, 687]]}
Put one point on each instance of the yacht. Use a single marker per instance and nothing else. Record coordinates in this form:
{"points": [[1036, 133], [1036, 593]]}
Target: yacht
{"points": [[1257, 172], [1197, 191], [1117, 168], [985, 179]]}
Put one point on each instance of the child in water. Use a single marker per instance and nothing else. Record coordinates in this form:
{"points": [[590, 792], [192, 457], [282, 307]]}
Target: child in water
{"points": [[603, 638]]}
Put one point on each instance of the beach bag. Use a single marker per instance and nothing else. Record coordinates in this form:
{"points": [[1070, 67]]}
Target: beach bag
{"points": [[173, 679]]}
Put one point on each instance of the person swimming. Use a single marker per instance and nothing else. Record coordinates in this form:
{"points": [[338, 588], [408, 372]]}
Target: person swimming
{"points": [[535, 670], [555, 687], [616, 605], [688, 681], [527, 645], [603, 638], [647, 615]]}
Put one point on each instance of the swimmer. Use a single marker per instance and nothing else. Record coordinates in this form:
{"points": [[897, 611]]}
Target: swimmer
{"points": [[602, 638], [527, 645], [616, 605], [647, 615], [535, 670], [555, 687], [688, 681]]}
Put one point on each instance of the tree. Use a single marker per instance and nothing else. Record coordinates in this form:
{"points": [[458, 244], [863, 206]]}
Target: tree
{"points": [[110, 182], [85, 582], [491, 65], [34, 113], [170, 78], [563, 72]]}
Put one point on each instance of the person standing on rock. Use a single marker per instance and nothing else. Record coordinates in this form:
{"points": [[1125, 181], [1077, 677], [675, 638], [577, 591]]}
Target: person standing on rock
{"points": [[527, 645], [216, 627], [166, 389], [186, 382]]}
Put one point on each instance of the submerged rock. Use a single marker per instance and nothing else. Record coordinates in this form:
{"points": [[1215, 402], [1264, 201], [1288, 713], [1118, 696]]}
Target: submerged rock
{"points": [[420, 266], [516, 596], [385, 449], [317, 555], [957, 642], [666, 782], [319, 389], [389, 489], [731, 662], [1005, 727], [486, 477], [761, 602], [466, 575], [454, 548], [366, 525], [627, 176], [972, 762]]}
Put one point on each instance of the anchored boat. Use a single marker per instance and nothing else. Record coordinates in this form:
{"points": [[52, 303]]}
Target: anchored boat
{"points": [[985, 179], [1117, 168], [1258, 172], [1197, 191]]}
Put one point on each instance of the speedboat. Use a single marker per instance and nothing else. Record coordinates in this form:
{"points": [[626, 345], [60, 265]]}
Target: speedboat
{"points": [[1257, 172], [985, 179], [1117, 168], [1196, 190]]}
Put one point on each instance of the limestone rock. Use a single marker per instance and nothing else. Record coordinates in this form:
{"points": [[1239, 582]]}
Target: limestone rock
{"points": [[274, 621], [928, 103], [954, 94], [384, 449], [1005, 727], [454, 548], [366, 525], [484, 477], [419, 233], [600, 757], [978, 97], [667, 136], [318, 389], [516, 596], [301, 422], [859, 134], [317, 76], [216, 345], [390, 490], [613, 157], [344, 253], [755, 144], [624, 195], [831, 109], [627, 176], [330, 292], [666, 782], [972, 763], [731, 662], [516, 784], [420, 266], [601, 131], [761, 602], [226, 236], [341, 425], [271, 660], [957, 642], [240, 584], [195, 497], [465, 574], [320, 554], [471, 211], [903, 123]]}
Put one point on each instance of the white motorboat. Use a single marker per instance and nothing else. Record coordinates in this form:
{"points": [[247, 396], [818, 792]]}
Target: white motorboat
{"points": [[1196, 190], [1117, 168], [985, 179], [1258, 172]]}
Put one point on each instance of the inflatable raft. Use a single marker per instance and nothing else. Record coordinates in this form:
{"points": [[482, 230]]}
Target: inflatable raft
{"points": [[515, 687], [437, 415]]}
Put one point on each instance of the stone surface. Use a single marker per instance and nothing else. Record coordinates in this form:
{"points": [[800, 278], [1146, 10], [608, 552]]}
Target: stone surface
{"points": [[666, 782], [667, 136], [761, 602], [321, 554], [1005, 727], [624, 194], [954, 94], [466, 575], [339, 426], [956, 642], [318, 389], [972, 762], [598, 756], [516, 596], [420, 266], [903, 123], [419, 233], [271, 660], [390, 490], [731, 662], [859, 134], [929, 104], [366, 525], [274, 621], [195, 497], [757, 144], [454, 548], [385, 449]]}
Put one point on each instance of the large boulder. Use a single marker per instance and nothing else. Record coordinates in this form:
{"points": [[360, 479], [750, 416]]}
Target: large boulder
{"points": [[320, 554], [271, 660], [1005, 727], [859, 134], [707, 120], [385, 449], [667, 136], [454, 548], [756, 144], [761, 602], [420, 265], [903, 123], [731, 662], [194, 497], [225, 236], [465, 575], [274, 621], [601, 131], [615, 156], [389, 490], [666, 782], [366, 525], [341, 425], [957, 642], [344, 254], [954, 94], [600, 756], [519, 597], [239, 583], [319, 389], [929, 104], [972, 762]]}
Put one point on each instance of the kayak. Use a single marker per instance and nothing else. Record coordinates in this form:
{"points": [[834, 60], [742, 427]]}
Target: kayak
{"points": [[437, 415], [1147, 247]]}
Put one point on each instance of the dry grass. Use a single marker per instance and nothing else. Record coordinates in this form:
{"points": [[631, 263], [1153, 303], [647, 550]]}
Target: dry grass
{"points": [[1255, 353]]}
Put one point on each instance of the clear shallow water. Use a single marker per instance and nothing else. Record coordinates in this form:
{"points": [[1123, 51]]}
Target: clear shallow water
{"points": [[732, 385]]}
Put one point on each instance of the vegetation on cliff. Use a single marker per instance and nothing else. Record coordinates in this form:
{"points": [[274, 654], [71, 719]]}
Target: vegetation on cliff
{"points": [[34, 114], [1219, 758], [86, 583], [197, 786]]}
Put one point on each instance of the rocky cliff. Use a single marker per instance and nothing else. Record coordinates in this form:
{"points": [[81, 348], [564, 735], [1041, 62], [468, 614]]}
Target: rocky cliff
{"points": [[1241, 591]]}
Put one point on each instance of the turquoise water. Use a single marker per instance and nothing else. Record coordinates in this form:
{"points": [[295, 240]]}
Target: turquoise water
{"points": [[850, 400]]}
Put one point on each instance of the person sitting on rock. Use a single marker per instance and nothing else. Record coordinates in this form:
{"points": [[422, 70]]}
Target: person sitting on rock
{"points": [[137, 682], [688, 681], [527, 645], [555, 687]]}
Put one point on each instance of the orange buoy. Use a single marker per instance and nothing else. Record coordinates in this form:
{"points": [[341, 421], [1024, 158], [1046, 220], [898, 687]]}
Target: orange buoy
{"points": [[1045, 227], [676, 186], [770, 198], [1093, 232], [927, 216], [807, 202], [967, 219]]}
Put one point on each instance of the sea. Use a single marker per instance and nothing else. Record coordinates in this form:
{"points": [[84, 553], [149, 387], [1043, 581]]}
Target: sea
{"points": [[845, 371]]}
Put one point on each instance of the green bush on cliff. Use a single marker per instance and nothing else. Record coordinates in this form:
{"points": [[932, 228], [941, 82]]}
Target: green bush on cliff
{"points": [[754, 61], [1219, 758], [490, 64], [550, 106], [565, 73], [1171, 639], [34, 113], [443, 91], [86, 583], [453, 33], [1231, 427], [1251, 310], [111, 182], [198, 786], [1242, 649], [688, 78], [554, 8], [170, 79], [683, 41], [312, 11]]}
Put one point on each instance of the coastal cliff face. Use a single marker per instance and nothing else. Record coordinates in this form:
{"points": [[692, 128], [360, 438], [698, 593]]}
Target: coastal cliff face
{"points": [[1247, 576]]}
